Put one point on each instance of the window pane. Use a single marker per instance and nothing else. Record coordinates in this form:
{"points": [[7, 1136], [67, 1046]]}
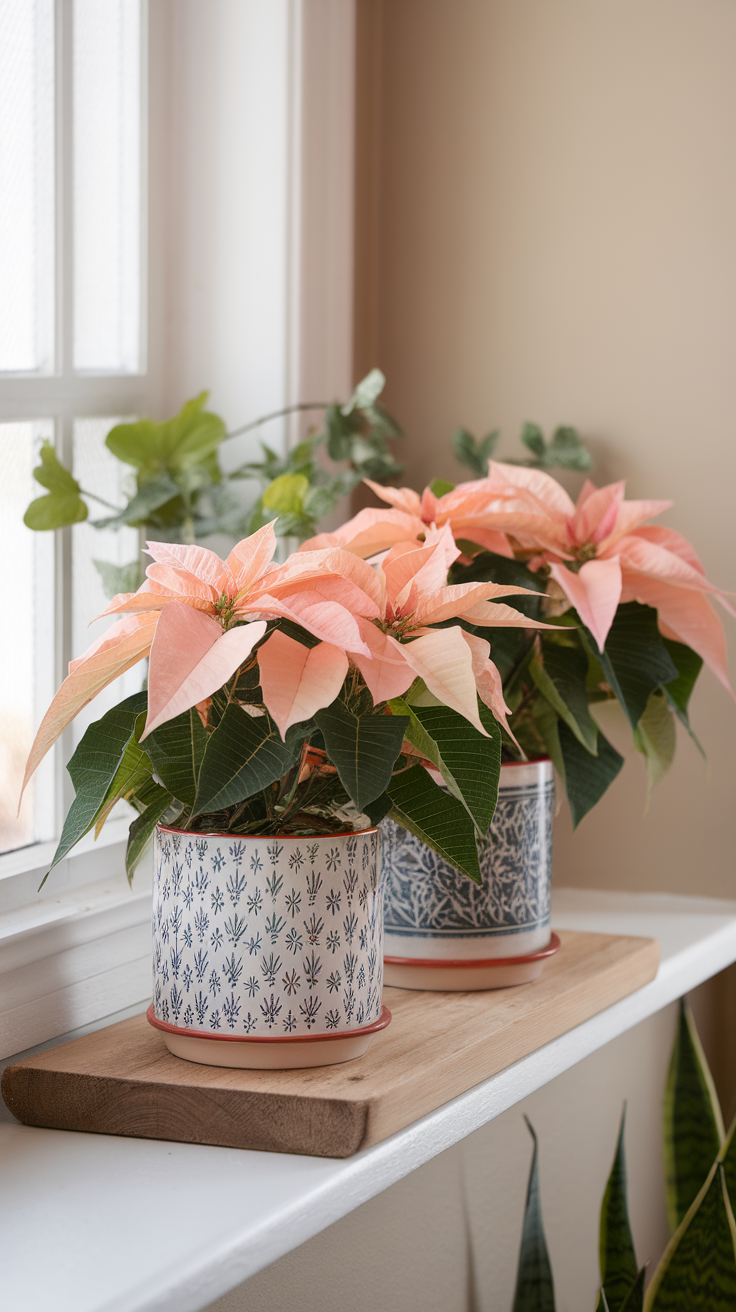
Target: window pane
{"points": [[94, 584], [27, 186], [27, 650], [107, 185]]}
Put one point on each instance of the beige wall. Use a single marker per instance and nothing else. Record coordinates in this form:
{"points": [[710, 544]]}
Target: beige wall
{"points": [[547, 230]]}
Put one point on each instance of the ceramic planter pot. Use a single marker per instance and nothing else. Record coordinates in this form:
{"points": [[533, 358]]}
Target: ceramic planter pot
{"points": [[267, 952], [442, 931]]}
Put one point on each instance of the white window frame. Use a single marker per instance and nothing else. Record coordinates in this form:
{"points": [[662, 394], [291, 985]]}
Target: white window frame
{"points": [[80, 950]]}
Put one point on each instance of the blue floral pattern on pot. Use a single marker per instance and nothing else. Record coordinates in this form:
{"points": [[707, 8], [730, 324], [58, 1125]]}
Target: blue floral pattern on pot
{"points": [[432, 911], [267, 937]]}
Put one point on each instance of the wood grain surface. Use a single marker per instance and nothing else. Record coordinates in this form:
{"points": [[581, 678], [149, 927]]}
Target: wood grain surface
{"points": [[122, 1080]]}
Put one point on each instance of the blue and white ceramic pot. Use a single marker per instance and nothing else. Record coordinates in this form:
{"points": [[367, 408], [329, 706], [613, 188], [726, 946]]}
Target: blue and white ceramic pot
{"points": [[443, 931], [267, 952]]}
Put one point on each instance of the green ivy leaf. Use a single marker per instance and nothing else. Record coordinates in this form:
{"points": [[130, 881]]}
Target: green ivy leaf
{"points": [[286, 494], [118, 578], [561, 677], [635, 660], [619, 1270], [191, 438], [566, 451], [64, 504], [363, 748], [435, 818], [693, 1126], [176, 749], [472, 453], [244, 755], [366, 393], [93, 768], [533, 438], [586, 777], [150, 496], [535, 1291]]}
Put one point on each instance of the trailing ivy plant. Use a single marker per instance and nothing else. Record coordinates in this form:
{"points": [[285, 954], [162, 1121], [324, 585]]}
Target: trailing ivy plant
{"points": [[181, 493], [697, 1271]]}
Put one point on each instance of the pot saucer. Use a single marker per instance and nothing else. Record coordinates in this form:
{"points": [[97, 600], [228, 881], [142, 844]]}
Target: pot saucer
{"points": [[455, 976], [267, 1053]]}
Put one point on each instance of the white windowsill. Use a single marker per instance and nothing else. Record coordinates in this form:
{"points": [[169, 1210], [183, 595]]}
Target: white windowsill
{"points": [[121, 1231]]}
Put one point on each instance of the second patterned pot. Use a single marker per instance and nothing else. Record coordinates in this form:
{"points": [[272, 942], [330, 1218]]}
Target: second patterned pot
{"points": [[442, 931], [267, 952]]}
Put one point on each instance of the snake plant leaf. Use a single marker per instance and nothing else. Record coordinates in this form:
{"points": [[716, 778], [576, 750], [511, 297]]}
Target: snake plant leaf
{"points": [[634, 1300], [655, 737], [243, 755], [93, 767], [534, 1284], [586, 777], [176, 750], [616, 1246], [423, 808], [63, 504], [693, 1126], [635, 660], [689, 665], [141, 830], [560, 676], [697, 1272], [469, 763], [363, 748]]}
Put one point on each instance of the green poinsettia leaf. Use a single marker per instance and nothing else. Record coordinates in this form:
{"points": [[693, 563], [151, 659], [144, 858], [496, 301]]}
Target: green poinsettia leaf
{"points": [[560, 676], [363, 748], [141, 830], [693, 1126], [635, 659], [689, 665], [535, 1291], [619, 1270], [93, 768], [435, 818], [655, 737], [176, 750], [469, 763], [439, 487], [244, 755], [586, 777]]}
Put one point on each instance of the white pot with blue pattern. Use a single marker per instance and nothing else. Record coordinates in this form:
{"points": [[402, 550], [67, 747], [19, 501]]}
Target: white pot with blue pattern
{"points": [[443, 931], [267, 952]]}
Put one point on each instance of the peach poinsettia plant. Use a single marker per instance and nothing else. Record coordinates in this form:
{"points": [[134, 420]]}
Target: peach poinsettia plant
{"points": [[631, 599], [296, 698]]}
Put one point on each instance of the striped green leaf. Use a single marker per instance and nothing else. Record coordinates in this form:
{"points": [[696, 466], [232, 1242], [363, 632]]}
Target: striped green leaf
{"points": [[634, 1301], [435, 818], [363, 748], [616, 1247], [534, 1284], [697, 1272], [470, 764], [693, 1126]]}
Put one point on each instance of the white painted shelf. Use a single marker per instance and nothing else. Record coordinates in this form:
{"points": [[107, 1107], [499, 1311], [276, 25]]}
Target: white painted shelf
{"points": [[91, 1223]]}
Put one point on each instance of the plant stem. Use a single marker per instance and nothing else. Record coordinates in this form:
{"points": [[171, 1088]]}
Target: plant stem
{"points": [[278, 414], [118, 509]]}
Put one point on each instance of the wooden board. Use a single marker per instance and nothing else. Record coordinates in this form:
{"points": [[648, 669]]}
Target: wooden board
{"points": [[122, 1080]]}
